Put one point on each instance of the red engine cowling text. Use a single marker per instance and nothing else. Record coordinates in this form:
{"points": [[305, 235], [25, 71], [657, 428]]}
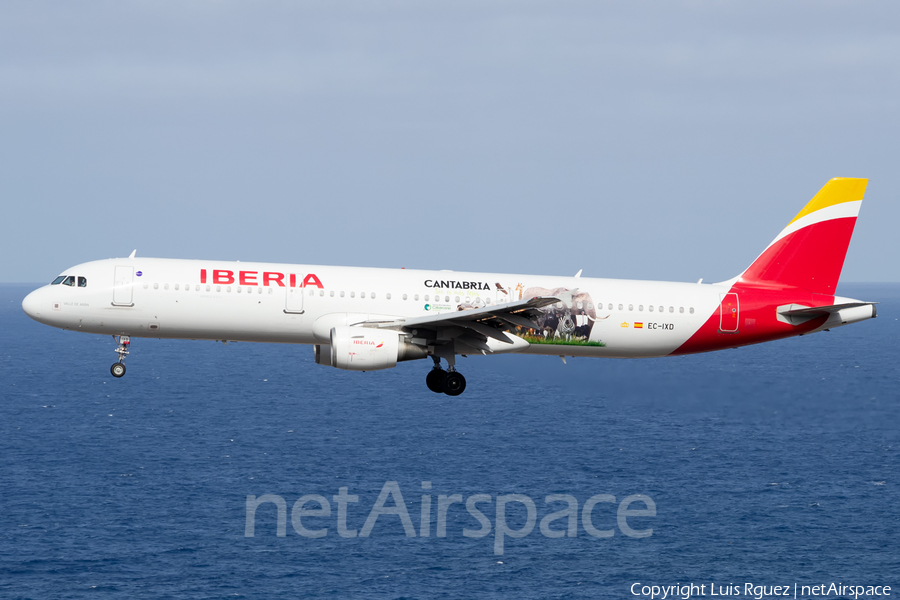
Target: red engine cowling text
{"points": [[266, 278]]}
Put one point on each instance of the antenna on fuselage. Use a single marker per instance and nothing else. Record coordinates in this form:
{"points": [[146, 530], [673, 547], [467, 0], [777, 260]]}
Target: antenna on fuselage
{"points": [[132, 253]]}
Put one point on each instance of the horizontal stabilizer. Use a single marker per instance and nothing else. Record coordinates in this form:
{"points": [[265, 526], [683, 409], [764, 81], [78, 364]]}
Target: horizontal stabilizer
{"points": [[846, 312]]}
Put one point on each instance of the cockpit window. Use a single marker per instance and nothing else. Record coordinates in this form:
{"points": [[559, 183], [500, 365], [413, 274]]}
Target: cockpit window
{"points": [[58, 280], [70, 281], [82, 282]]}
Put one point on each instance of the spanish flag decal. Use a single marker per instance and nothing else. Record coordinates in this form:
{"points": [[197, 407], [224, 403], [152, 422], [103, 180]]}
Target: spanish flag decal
{"points": [[638, 325]]}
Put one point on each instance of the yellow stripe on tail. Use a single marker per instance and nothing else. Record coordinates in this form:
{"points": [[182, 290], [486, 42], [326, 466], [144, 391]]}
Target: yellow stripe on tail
{"points": [[836, 191]]}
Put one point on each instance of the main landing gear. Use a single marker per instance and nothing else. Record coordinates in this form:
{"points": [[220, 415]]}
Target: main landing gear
{"points": [[122, 343], [448, 382]]}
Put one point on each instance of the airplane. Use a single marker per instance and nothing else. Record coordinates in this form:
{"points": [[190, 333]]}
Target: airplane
{"points": [[366, 319]]}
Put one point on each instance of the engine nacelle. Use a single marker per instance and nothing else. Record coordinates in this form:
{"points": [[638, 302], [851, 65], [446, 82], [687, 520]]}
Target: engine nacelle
{"points": [[323, 354], [366, 349]]}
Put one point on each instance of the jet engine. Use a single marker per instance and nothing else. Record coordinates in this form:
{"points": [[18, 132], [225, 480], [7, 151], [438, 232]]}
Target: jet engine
{"points": [[366, 349]]}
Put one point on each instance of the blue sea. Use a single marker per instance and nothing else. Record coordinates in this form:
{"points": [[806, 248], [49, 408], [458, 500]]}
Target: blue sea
{"points": [[772, 465]]}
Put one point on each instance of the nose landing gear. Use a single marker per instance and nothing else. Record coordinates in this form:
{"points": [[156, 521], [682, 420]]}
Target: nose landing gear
{"points": [[449, 382], [122, 343]]}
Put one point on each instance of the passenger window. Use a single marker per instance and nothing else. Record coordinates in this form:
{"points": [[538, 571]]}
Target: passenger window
{"points": [[426, 297], [69, 281], [331, 293], [342, 294], [610, 306], [446, 298], [650, 308], [456, 299], [631, 307], [353, 294], [681, 309], [692, 310], [362, 294], [416, 297], [641, 307], [259, 290], [671, 309], [662, 309], [146, 285], [166, 286], [404, 296], [155, 286], [196, 288], [388, 296], [238, 289], [82, 282], [620, 307], [312, 292], [372, 295], [176, 287], [321, 293], [228, 289], [58, 280], [218, 288]]}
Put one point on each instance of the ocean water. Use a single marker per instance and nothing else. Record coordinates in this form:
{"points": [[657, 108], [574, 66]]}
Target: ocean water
{"points": [[774, 464]]}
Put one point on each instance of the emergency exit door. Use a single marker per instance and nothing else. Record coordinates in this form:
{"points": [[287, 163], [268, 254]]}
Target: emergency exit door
{"points": [[293, 301], [729, 313]]}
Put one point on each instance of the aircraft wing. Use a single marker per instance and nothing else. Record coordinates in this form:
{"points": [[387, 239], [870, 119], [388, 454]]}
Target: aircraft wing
{"points": [[474, 327]]}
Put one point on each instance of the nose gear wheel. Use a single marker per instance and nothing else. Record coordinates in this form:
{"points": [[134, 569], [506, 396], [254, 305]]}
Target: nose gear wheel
{"points": [[122, 343]]}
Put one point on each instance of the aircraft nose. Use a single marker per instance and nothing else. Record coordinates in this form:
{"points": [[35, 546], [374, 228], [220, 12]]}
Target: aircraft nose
{"points": [[32, 304]]}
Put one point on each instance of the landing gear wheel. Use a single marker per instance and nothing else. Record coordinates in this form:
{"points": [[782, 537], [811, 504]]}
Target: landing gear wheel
{"points": [[435, 380], [122, 343], [454, 384]]}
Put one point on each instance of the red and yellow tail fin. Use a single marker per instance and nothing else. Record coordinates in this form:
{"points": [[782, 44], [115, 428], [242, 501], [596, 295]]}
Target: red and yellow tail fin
{"points": [[809, 253]]}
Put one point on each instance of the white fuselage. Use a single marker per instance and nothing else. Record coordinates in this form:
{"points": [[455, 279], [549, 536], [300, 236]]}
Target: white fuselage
{"points": [[255, 302]]}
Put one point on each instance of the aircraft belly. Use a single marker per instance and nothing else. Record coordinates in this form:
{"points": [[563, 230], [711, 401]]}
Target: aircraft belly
{"points": [[213, 317], [627, 343]]}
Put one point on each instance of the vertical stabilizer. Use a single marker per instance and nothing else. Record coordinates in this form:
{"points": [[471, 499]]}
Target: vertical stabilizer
{"points": [[809, 253]]}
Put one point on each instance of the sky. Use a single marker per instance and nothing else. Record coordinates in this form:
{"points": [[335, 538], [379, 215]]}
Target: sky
{"points": [[647, 140]]}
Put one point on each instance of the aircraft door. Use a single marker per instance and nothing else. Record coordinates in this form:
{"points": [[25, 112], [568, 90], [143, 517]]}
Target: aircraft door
{"points": [[729, 313], [293, 302], [123, 290]]}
